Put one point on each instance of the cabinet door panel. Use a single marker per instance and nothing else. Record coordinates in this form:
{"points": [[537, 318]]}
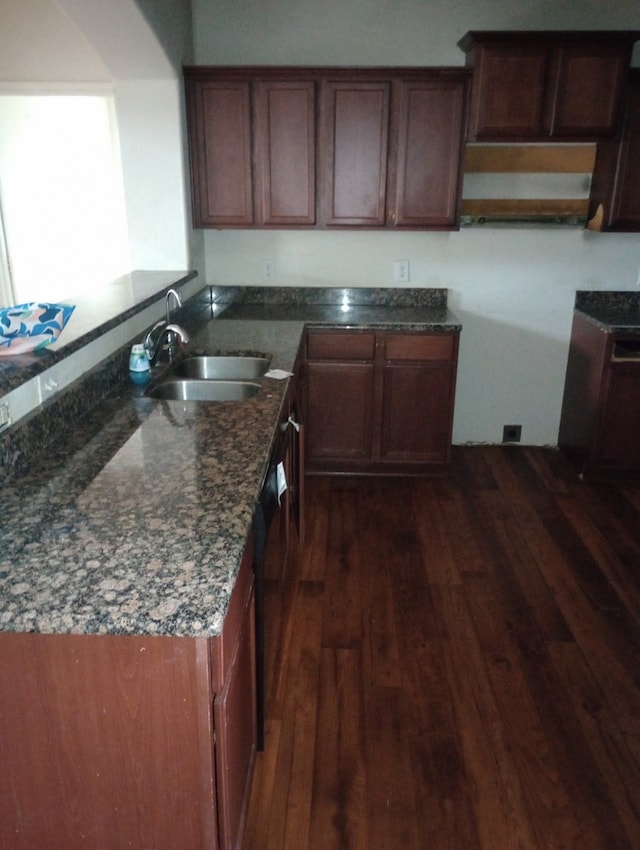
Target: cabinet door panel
{"points": [[618, 441], [508, 91], [627, 202], [588, 88], [430, 131], [220, 134], [416, 413], [355, 130], [235, 724], [339, 410], [420, 346], [285, 144], [341, 346], [616, 177]]}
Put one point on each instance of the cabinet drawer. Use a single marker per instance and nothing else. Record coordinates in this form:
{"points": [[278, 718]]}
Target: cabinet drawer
{"points": [[340, 346], [419, 347]]}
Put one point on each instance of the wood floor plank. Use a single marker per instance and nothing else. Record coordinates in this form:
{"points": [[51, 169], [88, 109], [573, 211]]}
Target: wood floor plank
{"points": [[496, 791], [339, 805], [458, 665], [616, 750], [342, 616], [505, 624]]}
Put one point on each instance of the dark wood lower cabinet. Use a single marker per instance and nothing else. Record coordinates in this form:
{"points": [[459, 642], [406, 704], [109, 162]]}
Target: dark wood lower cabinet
{"points": [[234, 718], [110, 741], [600, 420], [339, 410], [380, 402]]}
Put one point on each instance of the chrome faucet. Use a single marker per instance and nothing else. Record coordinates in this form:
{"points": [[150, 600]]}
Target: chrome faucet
{"points": [[178, 301], [166, 328], [174, 333]]}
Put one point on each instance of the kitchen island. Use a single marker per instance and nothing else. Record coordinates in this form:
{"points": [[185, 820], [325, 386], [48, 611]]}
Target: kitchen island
{"points": [[127, 591]]}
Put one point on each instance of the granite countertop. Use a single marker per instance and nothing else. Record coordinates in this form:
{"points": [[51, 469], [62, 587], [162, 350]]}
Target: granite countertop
{"points": [[140, 527], [612, 312], [95, 314]]}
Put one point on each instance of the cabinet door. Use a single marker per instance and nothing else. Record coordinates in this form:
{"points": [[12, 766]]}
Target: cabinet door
{"points": [[426, 173], [626, 205], [354, 140], [618, 439], [339, 410], [417, 399], [235, 725], [285, 152], [416, 413], [508, 90], [616, 178], [219, 116], [588, 90]]}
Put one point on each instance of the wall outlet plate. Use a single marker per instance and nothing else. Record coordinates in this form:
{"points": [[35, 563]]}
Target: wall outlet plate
{"points": [[5, 416], [401, 271], [511, 433]]}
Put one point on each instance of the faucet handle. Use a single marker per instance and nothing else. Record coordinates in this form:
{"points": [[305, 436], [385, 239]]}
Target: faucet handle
{"points": [[151, 345]]}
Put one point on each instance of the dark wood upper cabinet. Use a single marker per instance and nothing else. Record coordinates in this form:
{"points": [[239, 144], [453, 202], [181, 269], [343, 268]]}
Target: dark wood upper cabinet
{"points": [[529, 86], [391, 150], [615, 187], [285, 152], [219, 126], [426, 161], [326, 147], [354, 133]]}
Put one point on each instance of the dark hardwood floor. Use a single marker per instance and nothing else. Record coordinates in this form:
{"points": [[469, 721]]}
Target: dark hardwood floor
{"points": [[459, 665]]}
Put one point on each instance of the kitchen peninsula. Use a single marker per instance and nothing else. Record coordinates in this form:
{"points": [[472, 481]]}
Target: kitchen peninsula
{"points": [[601, 404], [126, 584]]}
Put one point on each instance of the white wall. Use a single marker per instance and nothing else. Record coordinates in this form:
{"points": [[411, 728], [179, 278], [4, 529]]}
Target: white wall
{"points": [[150, 119], [135, 50], [512, 287]]}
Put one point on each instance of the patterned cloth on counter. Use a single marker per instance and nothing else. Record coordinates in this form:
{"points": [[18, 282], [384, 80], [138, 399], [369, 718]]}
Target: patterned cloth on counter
{"points": [[28, 327]]}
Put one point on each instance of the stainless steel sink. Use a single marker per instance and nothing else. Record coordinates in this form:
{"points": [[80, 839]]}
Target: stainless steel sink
{"points": [[204, 390], [216, 368]]}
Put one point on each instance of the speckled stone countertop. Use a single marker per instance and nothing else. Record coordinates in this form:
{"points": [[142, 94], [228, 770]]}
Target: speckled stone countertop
{"points": [[612, 312], [140, 527], [95, 314]]}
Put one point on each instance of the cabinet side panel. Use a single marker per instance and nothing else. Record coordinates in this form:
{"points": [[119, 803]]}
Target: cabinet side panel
{"points": [[583, 387], [101, 743]]}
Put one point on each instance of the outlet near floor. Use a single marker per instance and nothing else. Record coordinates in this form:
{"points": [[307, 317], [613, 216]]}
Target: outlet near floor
{"points": [[511, 433]]}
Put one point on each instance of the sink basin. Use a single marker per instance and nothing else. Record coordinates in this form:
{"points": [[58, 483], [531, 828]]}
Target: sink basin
{"points": [[222, 368], [204, 390]]}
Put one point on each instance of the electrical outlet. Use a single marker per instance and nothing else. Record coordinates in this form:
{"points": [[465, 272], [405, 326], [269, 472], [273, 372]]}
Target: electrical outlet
{"points": [[511, 433], [5, 416], [267, 270], [401, 271]]}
